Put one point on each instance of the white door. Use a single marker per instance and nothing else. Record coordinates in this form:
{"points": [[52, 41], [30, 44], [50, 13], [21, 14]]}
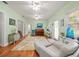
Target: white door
{"points": [[25, 29], [51, 28], [56, 30], [20, 26]]}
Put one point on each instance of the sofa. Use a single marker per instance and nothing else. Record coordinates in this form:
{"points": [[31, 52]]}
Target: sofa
{"points": [[53, 48]]}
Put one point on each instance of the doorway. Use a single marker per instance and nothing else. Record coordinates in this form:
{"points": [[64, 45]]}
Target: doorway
{"points": [[20, 28]]}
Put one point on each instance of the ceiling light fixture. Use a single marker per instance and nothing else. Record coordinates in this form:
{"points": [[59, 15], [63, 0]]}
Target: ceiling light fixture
{"points": [[37, 17], [36, 7]]}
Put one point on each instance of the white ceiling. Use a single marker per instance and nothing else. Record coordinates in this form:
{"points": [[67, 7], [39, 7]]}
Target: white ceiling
{"points": [[47, 9]]}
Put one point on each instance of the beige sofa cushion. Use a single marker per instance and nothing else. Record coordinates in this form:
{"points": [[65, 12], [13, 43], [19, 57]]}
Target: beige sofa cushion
{"points": [[55, 51], [43, 42], [66, 49]]}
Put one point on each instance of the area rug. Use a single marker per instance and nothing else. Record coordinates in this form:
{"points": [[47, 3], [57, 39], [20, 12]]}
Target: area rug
{"points": [[27, 43]]}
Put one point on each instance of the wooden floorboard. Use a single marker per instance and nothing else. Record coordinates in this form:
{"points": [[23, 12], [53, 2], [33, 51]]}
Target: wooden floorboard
{"points": [[6, 52]]}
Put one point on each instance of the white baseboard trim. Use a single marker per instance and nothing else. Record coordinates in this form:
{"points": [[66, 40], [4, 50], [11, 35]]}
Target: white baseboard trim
{"points": [[4, 45]]}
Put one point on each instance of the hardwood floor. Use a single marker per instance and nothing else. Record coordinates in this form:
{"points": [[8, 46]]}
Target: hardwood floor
{"points": [[6, 52]]}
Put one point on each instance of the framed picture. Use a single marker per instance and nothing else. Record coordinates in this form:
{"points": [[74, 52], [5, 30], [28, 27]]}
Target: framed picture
{"points": [[12, 21], [39, 25]]}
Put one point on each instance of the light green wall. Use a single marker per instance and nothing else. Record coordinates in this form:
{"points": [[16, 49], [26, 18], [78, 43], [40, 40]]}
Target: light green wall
{"points": [[9, 13], [63, 12]]}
